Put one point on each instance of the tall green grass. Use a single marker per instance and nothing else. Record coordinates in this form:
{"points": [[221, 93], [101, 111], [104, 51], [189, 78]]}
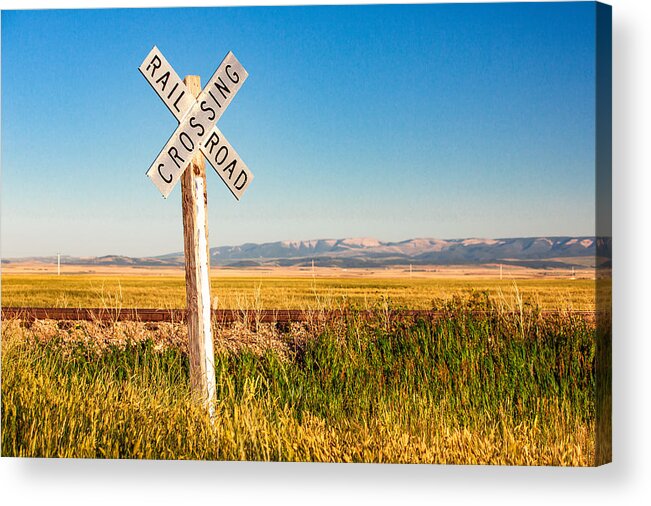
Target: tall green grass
{"points": [[490, 389]]}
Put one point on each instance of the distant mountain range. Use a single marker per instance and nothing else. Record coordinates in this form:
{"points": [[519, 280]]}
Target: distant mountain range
{"points": [[537, 252]]}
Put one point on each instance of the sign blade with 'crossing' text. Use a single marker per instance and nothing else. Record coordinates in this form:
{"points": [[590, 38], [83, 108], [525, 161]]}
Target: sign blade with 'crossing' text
{"points": [[178, 99], [197, 124]]}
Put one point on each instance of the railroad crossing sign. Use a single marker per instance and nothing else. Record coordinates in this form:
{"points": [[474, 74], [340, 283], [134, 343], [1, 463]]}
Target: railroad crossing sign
{"points": [[197, 118], [197, 111]]}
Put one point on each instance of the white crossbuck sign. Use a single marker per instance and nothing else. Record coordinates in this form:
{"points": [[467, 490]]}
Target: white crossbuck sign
{"points": [[197, 118]]}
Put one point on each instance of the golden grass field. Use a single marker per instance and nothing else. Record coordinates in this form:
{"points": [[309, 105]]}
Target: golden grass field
{"points": [[502, 388], [295, 288]]}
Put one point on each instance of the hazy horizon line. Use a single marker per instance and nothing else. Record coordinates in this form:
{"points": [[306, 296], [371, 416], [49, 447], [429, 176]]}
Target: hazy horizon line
{"points": [[64, 255]]}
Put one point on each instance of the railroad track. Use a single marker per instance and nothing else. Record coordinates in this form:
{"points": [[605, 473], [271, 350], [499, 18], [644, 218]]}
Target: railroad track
{"points": [[219, 315]]}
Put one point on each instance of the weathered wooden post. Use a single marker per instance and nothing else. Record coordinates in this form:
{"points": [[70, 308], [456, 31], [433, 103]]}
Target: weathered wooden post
{"points": [[183, 158], [194, 200]]}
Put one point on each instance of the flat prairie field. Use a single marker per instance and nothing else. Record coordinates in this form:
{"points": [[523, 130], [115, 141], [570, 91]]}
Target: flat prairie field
{"points": [[293, 288], [469, 388]]}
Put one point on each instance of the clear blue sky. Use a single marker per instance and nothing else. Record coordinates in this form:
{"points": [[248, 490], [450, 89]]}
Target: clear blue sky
{"points": [[394, 122]]}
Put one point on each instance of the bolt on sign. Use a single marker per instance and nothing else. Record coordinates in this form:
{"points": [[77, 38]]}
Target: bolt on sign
{"points": [[196, 136], [197, 118]]}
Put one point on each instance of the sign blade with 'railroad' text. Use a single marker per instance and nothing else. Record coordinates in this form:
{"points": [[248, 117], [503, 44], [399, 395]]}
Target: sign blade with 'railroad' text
{"points": [[227, 163], [174, 93], [169, 86], [197, 124]]}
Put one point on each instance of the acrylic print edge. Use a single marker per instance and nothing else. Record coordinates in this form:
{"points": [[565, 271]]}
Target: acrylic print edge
{"points": [[603, 233]]}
